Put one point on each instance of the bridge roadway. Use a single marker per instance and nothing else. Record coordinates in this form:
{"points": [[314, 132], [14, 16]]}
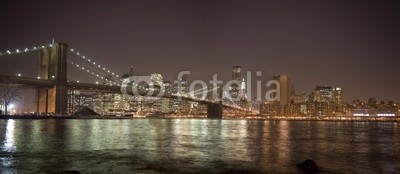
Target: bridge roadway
{"points": [[42, 83]]}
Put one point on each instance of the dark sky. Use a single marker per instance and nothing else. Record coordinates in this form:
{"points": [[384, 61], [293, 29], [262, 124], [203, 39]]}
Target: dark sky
{"points": [[350, 44]]}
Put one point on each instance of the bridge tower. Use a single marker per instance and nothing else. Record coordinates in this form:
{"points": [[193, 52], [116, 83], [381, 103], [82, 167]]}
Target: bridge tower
{"points": [[53, 66], [214, 110]]}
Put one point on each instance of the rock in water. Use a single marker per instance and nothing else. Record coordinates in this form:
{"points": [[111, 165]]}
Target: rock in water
{"points": [[72, 172], [308, 166]]}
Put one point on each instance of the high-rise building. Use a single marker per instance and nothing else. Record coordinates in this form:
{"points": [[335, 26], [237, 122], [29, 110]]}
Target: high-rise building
{"points": [[338, 100], [243, 92], [285, 89], [327, 101], [322, 100], [236, 76], [180, 87], [236, 73]]}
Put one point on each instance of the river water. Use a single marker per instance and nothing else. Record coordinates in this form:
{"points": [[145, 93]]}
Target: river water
{"points": [[196, 146]]}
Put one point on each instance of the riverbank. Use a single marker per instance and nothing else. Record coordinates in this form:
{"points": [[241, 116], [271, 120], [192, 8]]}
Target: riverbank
{"points": [[255, 117]]}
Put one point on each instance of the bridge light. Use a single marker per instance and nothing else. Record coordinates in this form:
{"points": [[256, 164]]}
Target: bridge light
{"points": [[26, 49], [17, 50], [104, 69], [77, 81], [19, 75], [83, 56], [38, 77], [99, 66], [77, 53], [72, 50], [34, 48], [88, 60], [97, 83], [42, 46], [77, 65], [8, 52], [112, 73], [94, 63]]}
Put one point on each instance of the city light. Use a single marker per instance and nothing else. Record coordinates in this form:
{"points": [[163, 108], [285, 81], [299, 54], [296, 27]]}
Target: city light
{"points": [[19, 75]]}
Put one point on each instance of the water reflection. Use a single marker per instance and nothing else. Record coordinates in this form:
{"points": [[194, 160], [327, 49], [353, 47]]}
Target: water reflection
{"points": [[201, 145], [9, 141]]}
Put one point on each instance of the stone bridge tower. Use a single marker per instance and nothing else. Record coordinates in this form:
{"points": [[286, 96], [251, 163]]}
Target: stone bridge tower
{"points": [[53, 66]]}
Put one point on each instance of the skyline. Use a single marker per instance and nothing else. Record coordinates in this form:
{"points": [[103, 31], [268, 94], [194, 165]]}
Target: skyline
{"points": [[310, 42]]}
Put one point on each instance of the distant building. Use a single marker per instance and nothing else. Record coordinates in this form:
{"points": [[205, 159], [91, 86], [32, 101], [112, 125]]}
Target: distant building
{"points": [[236, 76], [242, 90], [180, 87], [285, 91], [327, 101], [272, 108], [338, 101], [237, 73], [298, 104], [322, 100]]}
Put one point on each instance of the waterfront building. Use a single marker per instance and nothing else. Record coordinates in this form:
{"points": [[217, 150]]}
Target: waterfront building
{"points": [[338, 101], [270, 108], [322, 100], [180, 87], [298, 104], [328, 101]]}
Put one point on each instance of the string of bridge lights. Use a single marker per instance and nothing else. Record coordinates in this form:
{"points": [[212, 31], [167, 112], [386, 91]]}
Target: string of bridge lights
{"points": [[83, 63], [94, 63], [25, 50], [81, 67]]}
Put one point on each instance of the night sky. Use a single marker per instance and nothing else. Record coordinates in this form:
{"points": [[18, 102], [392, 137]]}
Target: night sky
{"points": [[350, 44]]}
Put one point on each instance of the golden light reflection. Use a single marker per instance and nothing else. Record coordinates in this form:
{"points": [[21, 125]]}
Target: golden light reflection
{"points": [[9, 140], [283, 142]]}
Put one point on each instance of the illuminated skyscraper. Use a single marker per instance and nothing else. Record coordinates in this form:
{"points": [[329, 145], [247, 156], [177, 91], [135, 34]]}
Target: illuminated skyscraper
{"points": [[327, 101], [242, 92], [236, 73], [338, 100], [236, 76]]}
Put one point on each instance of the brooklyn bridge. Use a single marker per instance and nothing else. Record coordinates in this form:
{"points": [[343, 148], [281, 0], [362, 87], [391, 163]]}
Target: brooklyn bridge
{"points": [[53, 86]]}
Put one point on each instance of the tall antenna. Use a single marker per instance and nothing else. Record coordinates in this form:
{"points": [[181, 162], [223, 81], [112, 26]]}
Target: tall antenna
{"points": [[53, 41]]}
